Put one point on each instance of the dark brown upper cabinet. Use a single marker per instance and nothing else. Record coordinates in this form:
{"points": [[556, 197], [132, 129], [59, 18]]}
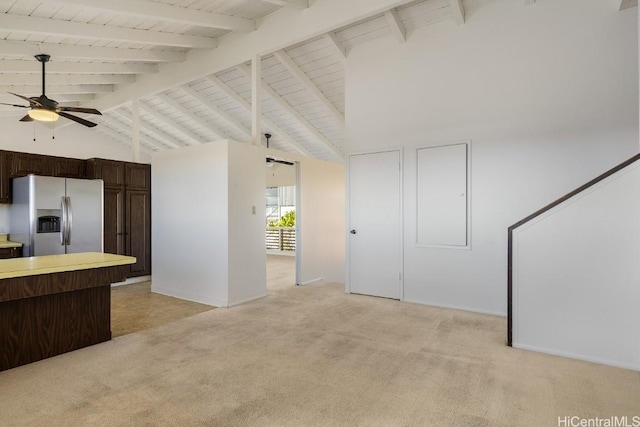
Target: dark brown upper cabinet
{"points": [[23, 164], [110, 171], [138, 176], [68, 168]]}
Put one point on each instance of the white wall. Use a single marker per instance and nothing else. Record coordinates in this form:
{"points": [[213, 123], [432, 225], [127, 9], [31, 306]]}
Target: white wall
{"points": [[548, 94], [189, 233], [70, 141], [320, 218], [576, 276], [322, 213], [279, 175], [247, 254], [208, 245]]}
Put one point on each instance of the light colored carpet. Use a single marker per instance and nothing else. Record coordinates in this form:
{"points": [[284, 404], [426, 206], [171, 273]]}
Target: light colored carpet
{"points": [[315, 356]]}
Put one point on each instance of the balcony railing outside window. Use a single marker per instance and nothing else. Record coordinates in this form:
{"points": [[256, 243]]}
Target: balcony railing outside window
{"points": [[281, 239]]}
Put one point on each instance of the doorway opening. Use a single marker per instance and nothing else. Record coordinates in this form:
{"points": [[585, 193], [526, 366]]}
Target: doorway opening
{"points": [[281, 223]]}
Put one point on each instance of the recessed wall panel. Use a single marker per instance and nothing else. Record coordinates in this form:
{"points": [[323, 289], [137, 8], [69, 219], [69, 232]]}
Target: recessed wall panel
{"points": [[442, 197]]}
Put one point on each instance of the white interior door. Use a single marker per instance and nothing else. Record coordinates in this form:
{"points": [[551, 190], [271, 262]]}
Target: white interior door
{"points": [[374, 224]]}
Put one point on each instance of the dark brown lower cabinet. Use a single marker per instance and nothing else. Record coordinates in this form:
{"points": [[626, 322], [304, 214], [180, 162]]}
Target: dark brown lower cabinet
{"points": [[6, 253], [138, 226], [49, 314]]}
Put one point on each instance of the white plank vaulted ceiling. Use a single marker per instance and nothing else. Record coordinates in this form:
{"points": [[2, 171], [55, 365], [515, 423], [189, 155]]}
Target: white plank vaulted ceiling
{"points": [[104, 53]]}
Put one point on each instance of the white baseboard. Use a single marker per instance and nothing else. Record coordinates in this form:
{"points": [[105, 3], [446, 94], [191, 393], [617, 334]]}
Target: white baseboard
{"points": [[132, 280], [190, 297], [455, 307], [614, 363], [235, 303], [308, 282]]}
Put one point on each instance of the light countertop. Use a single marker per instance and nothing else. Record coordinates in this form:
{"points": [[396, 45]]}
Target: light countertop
{"points": [[4, 243], [10, 244], [32, 266]]}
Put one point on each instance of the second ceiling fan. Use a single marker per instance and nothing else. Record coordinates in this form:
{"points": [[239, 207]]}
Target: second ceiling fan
{"points": [[44, 109]]}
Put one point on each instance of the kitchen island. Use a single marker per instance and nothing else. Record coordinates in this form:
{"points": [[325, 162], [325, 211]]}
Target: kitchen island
{"points": [[54, 304]]}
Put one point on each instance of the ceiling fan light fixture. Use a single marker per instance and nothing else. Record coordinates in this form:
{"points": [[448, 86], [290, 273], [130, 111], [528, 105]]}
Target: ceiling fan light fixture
{"points": [[43, 115]]}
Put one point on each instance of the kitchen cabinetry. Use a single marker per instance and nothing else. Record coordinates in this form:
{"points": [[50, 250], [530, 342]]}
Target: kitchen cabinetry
{"points": [[6, 253], [67, 168], [5, 181], [127, 210], [14, 165], [22, 164]]}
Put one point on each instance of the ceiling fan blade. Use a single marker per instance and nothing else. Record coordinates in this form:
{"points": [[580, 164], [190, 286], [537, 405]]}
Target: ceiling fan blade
{"points": [[26, 118], [82, 121], [15, 105], [282, 162], [80, 110], [29, 100]]}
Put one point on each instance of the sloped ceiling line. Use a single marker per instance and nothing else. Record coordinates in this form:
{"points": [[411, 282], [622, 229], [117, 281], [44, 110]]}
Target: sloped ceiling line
{"points": [[186, 112], [299, 74], [216, 110], [395, 23], [266, 121], [121, 128], [158, 134], [105, 129], [332, 40], [295, 114], [457, 9], [188, 133]]}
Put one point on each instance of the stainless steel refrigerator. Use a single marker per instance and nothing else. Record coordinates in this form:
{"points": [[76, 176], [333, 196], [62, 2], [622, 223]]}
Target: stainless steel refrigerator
{"points": [[52, 215]]}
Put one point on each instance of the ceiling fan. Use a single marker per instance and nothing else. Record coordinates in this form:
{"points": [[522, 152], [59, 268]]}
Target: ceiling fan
{"points": [[44, 109]]}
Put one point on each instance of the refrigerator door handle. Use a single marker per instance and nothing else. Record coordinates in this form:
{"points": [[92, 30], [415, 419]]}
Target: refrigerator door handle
{"points": [[69, 220], [63, 228]]}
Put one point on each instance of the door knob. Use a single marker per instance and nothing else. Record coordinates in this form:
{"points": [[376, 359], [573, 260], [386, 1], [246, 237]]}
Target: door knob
{"points": [[353, 231]]}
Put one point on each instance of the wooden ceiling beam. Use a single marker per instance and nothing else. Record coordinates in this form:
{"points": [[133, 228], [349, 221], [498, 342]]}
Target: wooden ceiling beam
{"points": [[295, 4], [24, 49], [296, 115], [33, 79], [57, 27], [275, 30], [268, 123], [395, 23], [123, 129], [306, 82], [106, 130], [627, 4], [61, 67], [223, 115], [158, 134], [457, 10], [163, 12], [36, 89], [192, 116], [175, 125], [332, 39]]}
